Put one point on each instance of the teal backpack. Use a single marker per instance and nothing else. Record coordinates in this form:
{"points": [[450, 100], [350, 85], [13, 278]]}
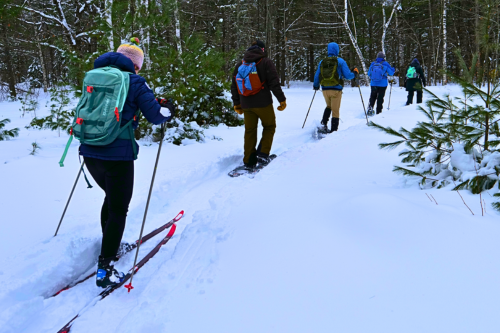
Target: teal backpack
{"points": [[99, 112], [412, 73]]}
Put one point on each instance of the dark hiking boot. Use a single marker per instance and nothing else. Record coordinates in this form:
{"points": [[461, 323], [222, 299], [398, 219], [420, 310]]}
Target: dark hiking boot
{"points": [[370, 111], [335, 125], [326, 116], [249, 167], [107, 275], [263, 160], [252, 161]]}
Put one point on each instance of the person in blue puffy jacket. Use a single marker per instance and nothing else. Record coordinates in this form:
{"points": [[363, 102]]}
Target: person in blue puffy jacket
{"points": [[112, 166], [333, 93], [378, 72]]}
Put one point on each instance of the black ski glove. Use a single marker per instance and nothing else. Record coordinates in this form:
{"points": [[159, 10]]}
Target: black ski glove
{"points": [[167, 103], [315, 88]]}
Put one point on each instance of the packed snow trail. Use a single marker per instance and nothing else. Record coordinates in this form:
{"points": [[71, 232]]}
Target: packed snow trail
{"points": [[325, 238]]}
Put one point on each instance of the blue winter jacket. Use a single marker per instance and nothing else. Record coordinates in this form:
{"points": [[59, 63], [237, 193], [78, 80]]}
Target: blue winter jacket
{"points": [[388, 71], [342, 69], [140, 97]]}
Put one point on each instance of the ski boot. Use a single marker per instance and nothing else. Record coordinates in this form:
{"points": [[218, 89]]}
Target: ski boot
{"points": [[107, 275], [370, 112]]}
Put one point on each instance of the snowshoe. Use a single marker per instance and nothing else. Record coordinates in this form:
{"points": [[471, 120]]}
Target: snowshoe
{"points": [[321, 132], [252, 170], [107, 275]]}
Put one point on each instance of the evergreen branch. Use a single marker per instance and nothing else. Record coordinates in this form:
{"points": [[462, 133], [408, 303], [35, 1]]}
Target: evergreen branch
{"points": [[387, 130], [4, 122], [461, 186], [7, 134], [496, 206], [390, 146], [407, 172]]}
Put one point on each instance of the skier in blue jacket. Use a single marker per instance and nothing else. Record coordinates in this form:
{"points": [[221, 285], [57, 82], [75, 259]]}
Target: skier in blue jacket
{"points": [[332, 92], [378, 72], [112, 166]]}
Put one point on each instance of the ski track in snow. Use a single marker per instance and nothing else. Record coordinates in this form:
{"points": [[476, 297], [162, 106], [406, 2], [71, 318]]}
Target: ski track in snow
{"points": [[316, 241]]}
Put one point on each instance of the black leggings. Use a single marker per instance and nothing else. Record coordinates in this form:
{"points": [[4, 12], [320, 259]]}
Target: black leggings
{"points": [[411, 94], [378, 94], [116, 178]]}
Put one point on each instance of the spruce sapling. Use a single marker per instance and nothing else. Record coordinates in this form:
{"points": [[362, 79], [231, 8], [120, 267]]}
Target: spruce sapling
{"points": [[35, 148], [7, 134], [458, 142], [61, 114]]}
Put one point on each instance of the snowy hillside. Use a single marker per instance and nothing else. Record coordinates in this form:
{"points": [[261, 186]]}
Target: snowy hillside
{"points": [[325, 239]]}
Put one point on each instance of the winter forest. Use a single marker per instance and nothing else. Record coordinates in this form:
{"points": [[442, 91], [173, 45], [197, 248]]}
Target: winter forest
{"points": [[49, 42]]}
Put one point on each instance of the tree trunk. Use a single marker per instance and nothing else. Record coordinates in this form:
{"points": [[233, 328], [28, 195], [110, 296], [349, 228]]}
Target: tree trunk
{"points": [[177, 27], [42, 63], [8, 62], [445, 40], [109, 21], [431, 67], [311, 63]]}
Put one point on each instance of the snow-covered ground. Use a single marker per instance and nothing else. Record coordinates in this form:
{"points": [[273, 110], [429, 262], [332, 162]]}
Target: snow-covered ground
{"points": [[325, 239]]}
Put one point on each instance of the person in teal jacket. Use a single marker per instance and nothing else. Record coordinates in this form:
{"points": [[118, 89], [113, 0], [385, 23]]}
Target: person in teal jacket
{"points": [[378, 72], [333, 94]]}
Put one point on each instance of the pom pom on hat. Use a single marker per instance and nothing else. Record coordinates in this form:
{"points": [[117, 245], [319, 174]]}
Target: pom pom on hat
{"points": [[133, 51], [135, 40]]}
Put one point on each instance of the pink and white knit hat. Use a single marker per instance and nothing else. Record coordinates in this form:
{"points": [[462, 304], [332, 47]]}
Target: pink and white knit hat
{"points": [[132, 51]]}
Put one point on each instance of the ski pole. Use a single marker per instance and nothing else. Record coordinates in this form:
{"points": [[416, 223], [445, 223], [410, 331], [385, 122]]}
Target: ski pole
{"points": [[309, 108], [70, 195], [359, 86], [129, 286], [390, 94]]}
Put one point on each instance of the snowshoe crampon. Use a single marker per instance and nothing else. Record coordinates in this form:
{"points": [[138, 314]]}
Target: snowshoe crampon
{"points": [[321, 132], [250, 171]]}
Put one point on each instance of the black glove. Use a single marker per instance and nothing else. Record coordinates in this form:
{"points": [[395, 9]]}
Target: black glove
{"points": [[167, 103], [315, 88]]}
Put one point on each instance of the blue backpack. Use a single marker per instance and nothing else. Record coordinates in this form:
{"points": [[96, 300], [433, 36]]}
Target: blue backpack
{"points": [[248, 80], [378, 72]]}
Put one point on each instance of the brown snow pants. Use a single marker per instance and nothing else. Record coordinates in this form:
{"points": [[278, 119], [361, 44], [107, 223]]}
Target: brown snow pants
{"points": [[333, 98], [268, 119]]}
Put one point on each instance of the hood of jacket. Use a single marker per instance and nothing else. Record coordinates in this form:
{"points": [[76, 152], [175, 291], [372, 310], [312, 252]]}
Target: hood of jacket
{"points": [[415, 63], [254, 54], [115, 59], [380, 60], [333, 49]]}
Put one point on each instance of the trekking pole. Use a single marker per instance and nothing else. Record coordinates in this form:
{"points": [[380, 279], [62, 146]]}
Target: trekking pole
{"points": [[309, 108], [390, 94], [129, 286], [70, 195], [359, 86]]}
